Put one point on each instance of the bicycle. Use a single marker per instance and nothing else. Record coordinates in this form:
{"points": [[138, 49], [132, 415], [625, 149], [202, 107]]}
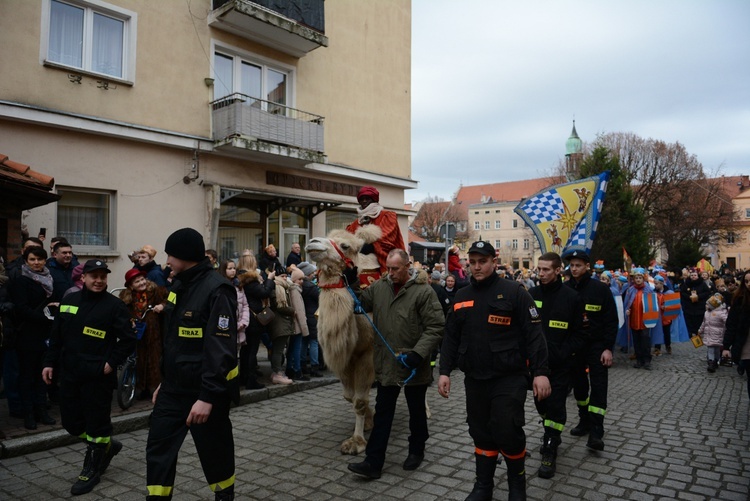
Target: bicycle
{"points": [[126, 373]]}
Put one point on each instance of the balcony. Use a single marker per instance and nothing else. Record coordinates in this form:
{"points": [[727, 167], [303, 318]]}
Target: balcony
{"points": [[247, 127], [294, 27]]}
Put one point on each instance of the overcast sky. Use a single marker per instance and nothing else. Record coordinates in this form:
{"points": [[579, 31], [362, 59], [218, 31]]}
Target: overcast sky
{"points": [[496, 84]]}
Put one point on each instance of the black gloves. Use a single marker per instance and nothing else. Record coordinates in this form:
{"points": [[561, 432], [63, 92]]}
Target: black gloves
{"points": [[411, 359], [367, 249], [352, 277]]}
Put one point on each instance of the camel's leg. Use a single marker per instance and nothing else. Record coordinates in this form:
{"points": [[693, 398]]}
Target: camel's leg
{"points": [[356, 443]]}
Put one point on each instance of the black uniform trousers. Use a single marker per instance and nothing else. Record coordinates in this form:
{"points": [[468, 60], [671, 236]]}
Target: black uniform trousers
{"points": [[552, 409], [213, 442], [590, 356], [385, 410], [86, 405], [495, 413]]}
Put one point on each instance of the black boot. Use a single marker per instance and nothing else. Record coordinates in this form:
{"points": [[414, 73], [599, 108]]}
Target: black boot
{"points": [[584, 425], [516, 479], [42, 416], [485, 482], [29, 422], [113, 447], [90, 475], [550, 443], [595, 441], [225, 494]]}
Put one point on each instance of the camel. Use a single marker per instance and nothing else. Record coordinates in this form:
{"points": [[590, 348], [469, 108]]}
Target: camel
{"points": [[346, 338]]}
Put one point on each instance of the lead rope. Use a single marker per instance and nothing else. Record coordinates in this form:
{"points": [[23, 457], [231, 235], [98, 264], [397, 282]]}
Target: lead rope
{"points": [[359, 310]]}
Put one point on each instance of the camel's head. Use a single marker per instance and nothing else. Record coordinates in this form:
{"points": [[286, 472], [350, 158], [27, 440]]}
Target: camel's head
{"points": [[334, 252]]}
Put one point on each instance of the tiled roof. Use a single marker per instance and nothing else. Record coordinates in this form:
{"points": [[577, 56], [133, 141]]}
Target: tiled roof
{"points": [[22, 173], [413, 237], [503, 192]]}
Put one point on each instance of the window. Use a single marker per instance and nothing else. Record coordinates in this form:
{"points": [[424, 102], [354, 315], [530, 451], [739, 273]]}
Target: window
{"points": [[264, 81], [497, 244], [486, 212], [515, 223], [86, 218], [91, 36], [514, 244], [730, 237], [525, 244], [486, 225], [476, 225], [497, 211], [747, 213], [497, 224], [476, 212]]}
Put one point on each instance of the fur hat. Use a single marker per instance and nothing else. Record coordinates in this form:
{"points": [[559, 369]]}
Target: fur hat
{"points": [[186, 244], [715, 301], [148, 250]]}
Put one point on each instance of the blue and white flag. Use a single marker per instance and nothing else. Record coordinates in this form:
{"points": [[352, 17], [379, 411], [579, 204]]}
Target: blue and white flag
{"points": [[565, 216]]}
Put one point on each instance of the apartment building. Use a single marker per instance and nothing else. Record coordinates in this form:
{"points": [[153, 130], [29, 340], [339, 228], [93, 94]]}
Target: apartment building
{"points": [[250, 122]]}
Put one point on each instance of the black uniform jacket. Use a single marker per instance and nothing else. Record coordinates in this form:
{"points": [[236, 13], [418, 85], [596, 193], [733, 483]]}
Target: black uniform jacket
{"points": [[200, 336], [599, 310], [562, 321], [494, 330], [90, 329], [738, 326]]}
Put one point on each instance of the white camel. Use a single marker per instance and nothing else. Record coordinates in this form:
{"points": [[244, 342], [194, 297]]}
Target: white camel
{"points": [[346, 338]]}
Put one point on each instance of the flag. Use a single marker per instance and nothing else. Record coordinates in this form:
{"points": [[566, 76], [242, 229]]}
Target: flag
{"points": [[627, 263], [565, 216]]}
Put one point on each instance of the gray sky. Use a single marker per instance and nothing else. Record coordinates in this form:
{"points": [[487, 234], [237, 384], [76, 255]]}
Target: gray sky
{"points": [[497, 83]]}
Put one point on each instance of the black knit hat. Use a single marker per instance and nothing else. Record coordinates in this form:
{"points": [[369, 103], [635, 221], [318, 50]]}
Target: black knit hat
{"points": [[186, 244]]}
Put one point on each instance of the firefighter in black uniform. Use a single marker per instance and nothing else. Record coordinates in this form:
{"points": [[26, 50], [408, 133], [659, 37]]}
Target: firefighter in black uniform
{"points": [[494, 335], [561, 314], [600, 330], [199, 372], [91, 336]]}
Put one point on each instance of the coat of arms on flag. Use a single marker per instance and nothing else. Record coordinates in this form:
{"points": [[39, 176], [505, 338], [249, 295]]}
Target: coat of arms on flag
{"points": [[565, 216]]}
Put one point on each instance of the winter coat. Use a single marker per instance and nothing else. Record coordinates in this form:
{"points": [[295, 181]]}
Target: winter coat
{"points": [[738, 325], [713, 326], [267, 263], [411, 320], [311, 297], [256, 290], [243, 315], [32, 326], [283, 323], [300, 319], [149, 346], [153, 272], [62, 278], [701, 290]]}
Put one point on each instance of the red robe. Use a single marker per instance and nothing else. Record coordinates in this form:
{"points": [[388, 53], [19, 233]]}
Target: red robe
{"points": [[391, 235]]}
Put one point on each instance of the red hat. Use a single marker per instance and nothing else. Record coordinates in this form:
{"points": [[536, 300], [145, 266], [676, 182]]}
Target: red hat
{"points": [[132, 274], [369, 191]]}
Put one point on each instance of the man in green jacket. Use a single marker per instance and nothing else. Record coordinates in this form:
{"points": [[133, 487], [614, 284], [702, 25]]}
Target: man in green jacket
{"points": [[408, 315]]}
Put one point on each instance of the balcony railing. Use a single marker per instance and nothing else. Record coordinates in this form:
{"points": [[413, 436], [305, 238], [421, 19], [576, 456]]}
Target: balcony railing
{"points": [[294, 27], [239, 115]]}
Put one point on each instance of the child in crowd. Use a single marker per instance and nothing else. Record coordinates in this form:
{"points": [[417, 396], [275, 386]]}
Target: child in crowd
{"points": [[712, 329]]}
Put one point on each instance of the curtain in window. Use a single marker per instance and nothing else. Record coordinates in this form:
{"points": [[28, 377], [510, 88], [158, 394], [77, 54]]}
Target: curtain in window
{"points": [[83, 218], [66, 35], [107, 45]]}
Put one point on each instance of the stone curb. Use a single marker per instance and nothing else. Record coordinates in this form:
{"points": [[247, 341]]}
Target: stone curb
{"points": [[139, 420]]}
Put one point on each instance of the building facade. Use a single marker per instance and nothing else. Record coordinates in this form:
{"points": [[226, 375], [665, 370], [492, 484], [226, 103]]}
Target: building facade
{"points": [[250, 124]]}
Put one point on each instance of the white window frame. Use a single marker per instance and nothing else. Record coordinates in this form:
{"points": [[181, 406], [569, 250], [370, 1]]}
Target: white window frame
{"points": [[514, 244], [486, 225], [498, 244], [497, 224], [97, 250], [515, 223], [476, 225], [129, 35], [747, 212], [526, 244], [239, 55]]}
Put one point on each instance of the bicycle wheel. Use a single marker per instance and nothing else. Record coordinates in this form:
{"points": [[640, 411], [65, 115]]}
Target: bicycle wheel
{"points": [[126, 385]]}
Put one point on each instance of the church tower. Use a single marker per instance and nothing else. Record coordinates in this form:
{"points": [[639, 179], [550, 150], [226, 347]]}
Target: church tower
{"points": [[573, 154]]}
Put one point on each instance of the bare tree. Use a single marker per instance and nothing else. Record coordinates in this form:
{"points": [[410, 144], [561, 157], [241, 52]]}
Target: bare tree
{"points": [[433, 213]]}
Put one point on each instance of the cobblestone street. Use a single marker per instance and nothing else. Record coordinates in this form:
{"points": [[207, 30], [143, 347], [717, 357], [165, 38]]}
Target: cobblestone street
{"points": [[676, 432]]}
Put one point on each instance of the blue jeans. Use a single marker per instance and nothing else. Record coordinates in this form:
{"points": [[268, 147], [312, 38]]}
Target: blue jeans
{"points": [[310, 348], [294, 353]]}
